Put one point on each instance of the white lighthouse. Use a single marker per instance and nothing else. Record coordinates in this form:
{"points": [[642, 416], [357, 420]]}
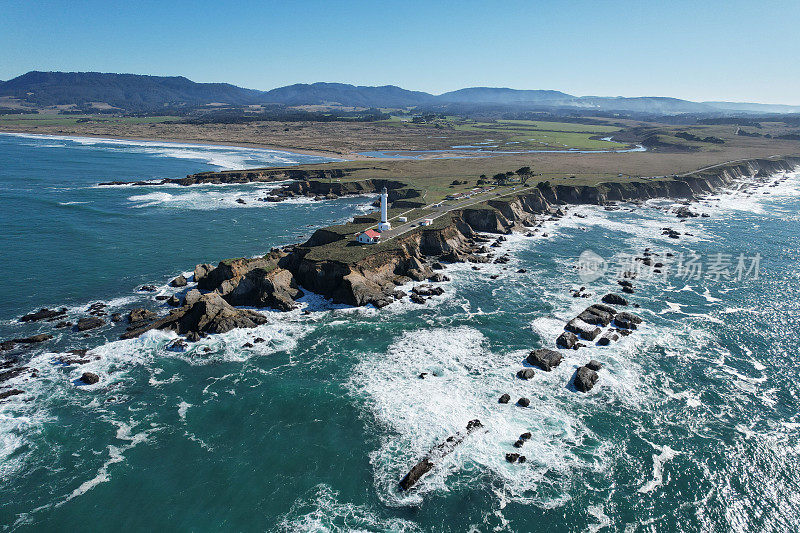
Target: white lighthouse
{"points": [[384, 225]]}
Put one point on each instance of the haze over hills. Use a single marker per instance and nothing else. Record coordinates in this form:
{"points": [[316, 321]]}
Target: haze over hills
{"points": [[132, 92], [126, 91]]}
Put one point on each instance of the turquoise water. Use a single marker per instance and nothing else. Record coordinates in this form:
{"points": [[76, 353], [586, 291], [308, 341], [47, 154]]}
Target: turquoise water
{"points": [[692, 426]]}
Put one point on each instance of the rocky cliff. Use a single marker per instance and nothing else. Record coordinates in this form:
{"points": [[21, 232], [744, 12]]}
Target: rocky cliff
{"points": [[371, 278]]}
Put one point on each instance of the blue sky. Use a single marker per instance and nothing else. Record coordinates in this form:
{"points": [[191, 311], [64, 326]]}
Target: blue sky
{"points": [[732, 50]]}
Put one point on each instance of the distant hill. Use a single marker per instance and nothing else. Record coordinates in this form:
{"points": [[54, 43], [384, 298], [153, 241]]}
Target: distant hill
{"points": [[127, 91], [132, 92], [545, 98], [346, 95], [656, 105], [494, 95], [754, 108]]}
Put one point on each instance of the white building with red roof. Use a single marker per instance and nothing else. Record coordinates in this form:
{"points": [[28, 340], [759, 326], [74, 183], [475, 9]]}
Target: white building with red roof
{"points": [[369, 237]]}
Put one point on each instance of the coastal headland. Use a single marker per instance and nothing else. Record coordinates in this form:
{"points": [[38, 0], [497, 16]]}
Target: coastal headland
{"points": [[332, 264]]}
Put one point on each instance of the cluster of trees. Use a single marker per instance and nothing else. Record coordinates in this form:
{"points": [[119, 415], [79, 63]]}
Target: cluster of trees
{"points": [[281, 114], [522, 176], [692, 137]]}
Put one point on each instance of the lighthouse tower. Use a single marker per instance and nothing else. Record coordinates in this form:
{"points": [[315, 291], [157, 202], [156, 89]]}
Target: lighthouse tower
{"points": [[384, 225]]}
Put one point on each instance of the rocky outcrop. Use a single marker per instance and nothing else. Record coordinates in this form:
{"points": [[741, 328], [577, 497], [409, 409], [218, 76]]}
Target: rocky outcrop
{"points": [[261, 288], [567, 340], [585, 378], [544, 358], [44, 314], [87, 323], [212, 314], [436, 455], [358, 278], [209, 314], [614, 299], [89, 378], [9, 393]]}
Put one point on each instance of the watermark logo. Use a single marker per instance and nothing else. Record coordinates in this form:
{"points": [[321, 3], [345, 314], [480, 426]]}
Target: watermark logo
{"points": [[591, 266], [662, 266]]}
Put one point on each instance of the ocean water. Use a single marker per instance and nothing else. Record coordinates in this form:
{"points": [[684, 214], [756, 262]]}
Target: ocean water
{"points": [[693, 424]]}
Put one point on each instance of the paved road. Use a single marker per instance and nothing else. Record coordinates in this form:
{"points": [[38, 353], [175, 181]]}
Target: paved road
{"points": [[436, 212]]}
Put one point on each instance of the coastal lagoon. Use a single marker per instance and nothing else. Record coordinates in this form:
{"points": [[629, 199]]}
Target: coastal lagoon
{"points": [[693, 424]]}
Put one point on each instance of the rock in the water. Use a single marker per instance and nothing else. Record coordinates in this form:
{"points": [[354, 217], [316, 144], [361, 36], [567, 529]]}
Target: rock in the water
{"points": [[193, 336], [6, 345], [614, 299], [141, 315], [525, 436], [594, 365], [34, 339], [179, 281], [523, 402], [9, 393], [85, 324], [604, 341], [417, 299], [583, 329], [212, 314], [567, 340], [174, 301], [44, 314], [505, 398], [525, 373], [437, 454], [178, 345], [598, 315], [512, 457], [544, 358], [585, 378], [627, 320], [89, 378], [519, 443], [148, 288], [685, 212]]}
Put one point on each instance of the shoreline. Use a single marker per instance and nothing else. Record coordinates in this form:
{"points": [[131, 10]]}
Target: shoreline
{"points": [[387, 155], [172, 140], [328, 266]]}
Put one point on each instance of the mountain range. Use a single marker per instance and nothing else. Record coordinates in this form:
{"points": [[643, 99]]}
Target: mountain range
{"points": [[133, 92]]}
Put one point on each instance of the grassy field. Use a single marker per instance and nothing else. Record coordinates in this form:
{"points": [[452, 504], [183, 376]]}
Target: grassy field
{"points": [[52, 119], [512, 135], [337, 138]]}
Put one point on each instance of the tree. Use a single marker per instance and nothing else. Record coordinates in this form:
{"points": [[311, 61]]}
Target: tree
{"points": [[524, 174], [500, 178]]}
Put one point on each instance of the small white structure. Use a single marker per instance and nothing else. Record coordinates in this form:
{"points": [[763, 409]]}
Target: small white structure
{"points": [[384, 225], [426, 222], [369, 237], [402, 219]]}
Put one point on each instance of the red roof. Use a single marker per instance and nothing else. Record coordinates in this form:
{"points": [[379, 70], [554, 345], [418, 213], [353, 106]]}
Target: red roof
{"points": [[372, 234]]}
